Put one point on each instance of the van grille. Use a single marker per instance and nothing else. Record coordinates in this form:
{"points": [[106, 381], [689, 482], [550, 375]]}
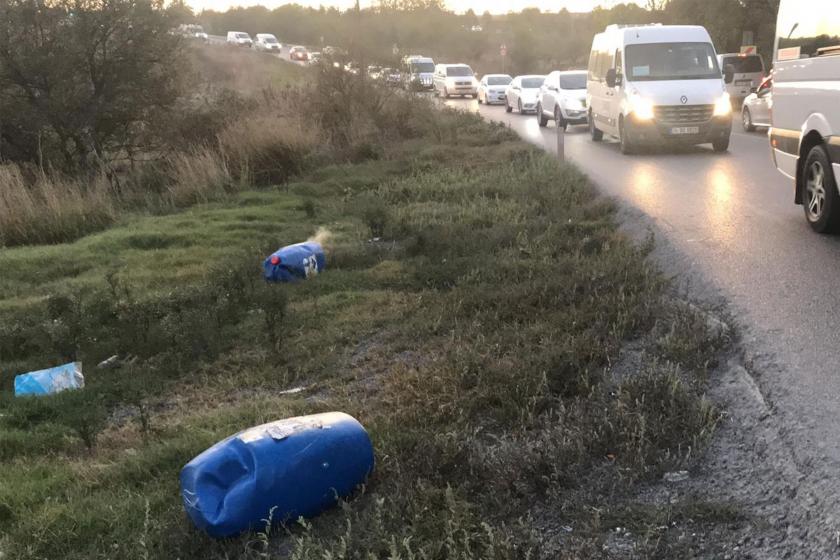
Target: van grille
{"points": [[683, 113]]}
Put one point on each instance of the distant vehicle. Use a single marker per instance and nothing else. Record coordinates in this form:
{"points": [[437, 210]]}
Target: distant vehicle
{"points": [[522, 93], [455, 79], [315, 57], [805, 132], [201, 36], [267, 42], [491, 88], [748, 70], [756, 109], [658, 85], [418, 73], [374, 71], [192, 30], [391, 77], [239, 39], [476, 28], [299, 54], [352, 67], [562, 98]]}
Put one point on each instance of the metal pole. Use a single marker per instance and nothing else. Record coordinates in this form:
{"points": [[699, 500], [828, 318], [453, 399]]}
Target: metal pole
{"points": [[561, 142]]}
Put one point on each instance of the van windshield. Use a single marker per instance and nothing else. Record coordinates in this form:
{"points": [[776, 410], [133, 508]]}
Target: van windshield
{"points": [[422, 67], [270, 40], [242, 36], [671, 61], [459, 71]]}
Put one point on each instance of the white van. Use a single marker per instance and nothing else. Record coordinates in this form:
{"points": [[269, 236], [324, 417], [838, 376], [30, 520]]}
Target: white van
{"points": [[239, 38], [748, 70], [805, 121], [267, 42], [658, 84], [418, 72], [455, 79]]}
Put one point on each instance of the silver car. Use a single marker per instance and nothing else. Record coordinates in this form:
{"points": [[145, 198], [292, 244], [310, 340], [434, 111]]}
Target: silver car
{"points": [[491, 88], [756, 110]]}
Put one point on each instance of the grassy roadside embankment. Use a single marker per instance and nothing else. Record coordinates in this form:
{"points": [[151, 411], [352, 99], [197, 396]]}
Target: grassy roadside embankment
{"points": [[476, 316]]}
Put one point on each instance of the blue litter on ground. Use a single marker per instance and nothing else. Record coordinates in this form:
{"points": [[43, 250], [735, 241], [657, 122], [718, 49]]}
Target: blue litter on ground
{"points": [[49, 381], [295, 262], [298, 466]]}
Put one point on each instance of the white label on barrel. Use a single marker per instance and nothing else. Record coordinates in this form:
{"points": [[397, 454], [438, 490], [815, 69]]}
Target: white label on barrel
{"points": [[277, 431]]}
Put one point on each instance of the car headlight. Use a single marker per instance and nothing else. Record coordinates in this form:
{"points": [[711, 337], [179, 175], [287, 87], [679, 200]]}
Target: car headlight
{"points": [[723, 106], [642, 108]]}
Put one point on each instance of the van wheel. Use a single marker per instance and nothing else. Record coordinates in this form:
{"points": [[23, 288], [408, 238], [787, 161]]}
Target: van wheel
{"points": [[819, 190], [721, 144], [541, 116], [746, 120], [597, 135], [627, 146], [559, 120], [508, 108]]}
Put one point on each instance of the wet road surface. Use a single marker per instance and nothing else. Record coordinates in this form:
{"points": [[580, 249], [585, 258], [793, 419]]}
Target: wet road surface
{"points": [[732, 217]]}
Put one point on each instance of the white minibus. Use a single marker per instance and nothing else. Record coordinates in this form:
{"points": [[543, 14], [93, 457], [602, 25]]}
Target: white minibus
{"points": [[658, 85], [805, 131]]}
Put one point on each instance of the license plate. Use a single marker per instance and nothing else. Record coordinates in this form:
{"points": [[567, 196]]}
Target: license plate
{"points": [[743, 82], [685, 130]]}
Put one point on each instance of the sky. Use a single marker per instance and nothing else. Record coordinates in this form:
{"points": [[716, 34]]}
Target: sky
{"points": [[478, 6]]}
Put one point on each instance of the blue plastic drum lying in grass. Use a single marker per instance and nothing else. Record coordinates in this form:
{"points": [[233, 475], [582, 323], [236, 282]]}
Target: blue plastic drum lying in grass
{"points": [[300, 466], [295, 262]]}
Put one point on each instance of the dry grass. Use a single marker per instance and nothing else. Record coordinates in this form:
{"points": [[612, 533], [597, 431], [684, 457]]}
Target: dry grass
{"points": [[268, 146], [50, 208], [199, 175]]}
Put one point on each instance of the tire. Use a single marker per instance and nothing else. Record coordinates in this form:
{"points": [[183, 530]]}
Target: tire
{"points": [[508, 108], [479, 99], [628, 147], [474, 96], [559, 120], [721, 144], [445, 93], [819, 192], [519, 106], [746, 120], [541, 116], [597, 135]]}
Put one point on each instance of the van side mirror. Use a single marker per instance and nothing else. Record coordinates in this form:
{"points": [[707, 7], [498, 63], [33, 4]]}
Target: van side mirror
{"points": [[611, 78], [728, 74]]}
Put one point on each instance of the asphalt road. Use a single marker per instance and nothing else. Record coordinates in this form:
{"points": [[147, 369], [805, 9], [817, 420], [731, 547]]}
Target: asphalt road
{"points": [[732, 218]]}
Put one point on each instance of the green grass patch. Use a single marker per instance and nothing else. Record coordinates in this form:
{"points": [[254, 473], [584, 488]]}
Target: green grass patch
{"points": [[476, 298]]}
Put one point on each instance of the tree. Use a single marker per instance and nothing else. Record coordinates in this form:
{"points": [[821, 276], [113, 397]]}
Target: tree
{"points": [[81, 80]]}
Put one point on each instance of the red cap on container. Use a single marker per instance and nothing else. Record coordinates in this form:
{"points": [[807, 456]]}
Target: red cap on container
{"points": [[275, 260]]}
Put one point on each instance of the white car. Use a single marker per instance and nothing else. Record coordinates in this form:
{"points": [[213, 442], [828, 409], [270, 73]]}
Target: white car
{"points": [[201, 36], [756, 109], [267, 42], [562, 98], [522, 93], [491, 88], [805, 132], [455, 79], [239, 38], [658, 85]]}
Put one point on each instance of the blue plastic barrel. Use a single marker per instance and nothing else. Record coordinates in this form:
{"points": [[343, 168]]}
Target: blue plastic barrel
{"points": [[300, 466], [49, 381], [295, 262]]}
